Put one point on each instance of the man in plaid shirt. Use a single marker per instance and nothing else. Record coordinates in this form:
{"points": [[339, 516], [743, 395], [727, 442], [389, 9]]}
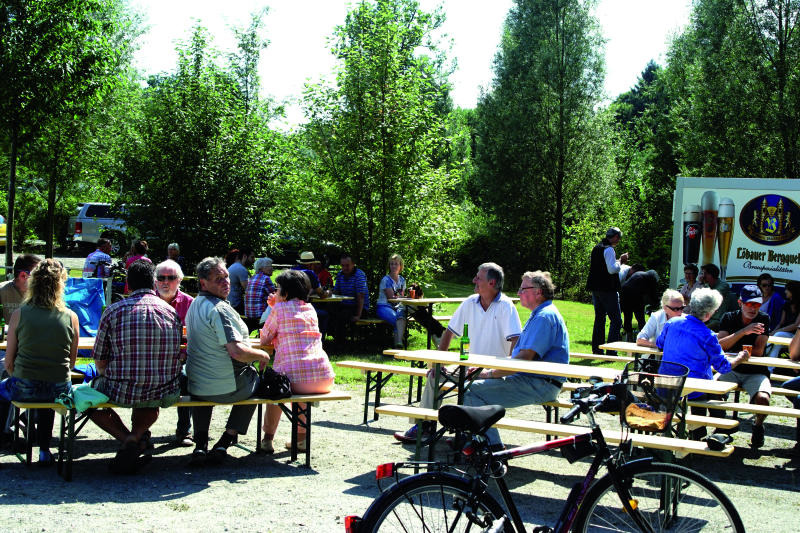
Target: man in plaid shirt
{"points": [[138, 357], [258, 290]]}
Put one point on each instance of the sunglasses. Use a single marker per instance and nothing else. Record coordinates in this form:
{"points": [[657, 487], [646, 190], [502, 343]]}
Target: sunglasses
{"points": [[752, 305], [676, 309], [166, 278]]}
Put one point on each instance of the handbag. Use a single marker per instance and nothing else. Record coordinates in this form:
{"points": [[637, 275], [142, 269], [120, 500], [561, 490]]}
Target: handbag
{"points": [[273, 385]]}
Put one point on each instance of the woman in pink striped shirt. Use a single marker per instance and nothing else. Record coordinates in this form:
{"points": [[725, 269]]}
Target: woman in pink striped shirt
{"points": [[293, 329]]}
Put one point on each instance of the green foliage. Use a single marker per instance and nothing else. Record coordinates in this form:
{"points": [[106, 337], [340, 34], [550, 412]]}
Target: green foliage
{"points": [[56, 58], [376, 139], [196, 166], [734, 75], [543, 153]]}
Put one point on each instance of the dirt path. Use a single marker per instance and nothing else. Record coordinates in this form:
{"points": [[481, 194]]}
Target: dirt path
{"points": [[260, 493]]}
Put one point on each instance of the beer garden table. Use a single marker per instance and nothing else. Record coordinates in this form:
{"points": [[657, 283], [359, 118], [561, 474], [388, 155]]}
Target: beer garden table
{"points": [[631, 347]]}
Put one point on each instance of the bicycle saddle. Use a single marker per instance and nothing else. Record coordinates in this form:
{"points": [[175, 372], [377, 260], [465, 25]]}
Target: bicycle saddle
{"points": [[472, 419]]}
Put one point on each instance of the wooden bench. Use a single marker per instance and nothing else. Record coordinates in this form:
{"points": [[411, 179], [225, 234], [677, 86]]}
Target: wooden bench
{"points": [[597, 357], [678, 446], [70, 417], [747, 407], [382, 374]]}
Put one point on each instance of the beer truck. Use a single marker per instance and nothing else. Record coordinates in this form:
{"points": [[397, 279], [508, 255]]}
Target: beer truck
{"points": [[746, 226]]}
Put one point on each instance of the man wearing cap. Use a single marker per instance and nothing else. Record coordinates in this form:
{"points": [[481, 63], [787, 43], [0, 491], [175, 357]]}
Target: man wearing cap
{"points": [[305, 265], [748, 326], [604, 284]]}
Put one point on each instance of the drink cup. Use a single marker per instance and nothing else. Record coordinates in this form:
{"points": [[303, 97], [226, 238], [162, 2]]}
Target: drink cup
{"points": [[709, 203], [748, 348], [411, 293], [692, 233]]}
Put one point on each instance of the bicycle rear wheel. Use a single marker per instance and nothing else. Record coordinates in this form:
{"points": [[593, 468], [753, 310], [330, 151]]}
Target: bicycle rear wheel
{"points": [[432, 502], [666, 497]]}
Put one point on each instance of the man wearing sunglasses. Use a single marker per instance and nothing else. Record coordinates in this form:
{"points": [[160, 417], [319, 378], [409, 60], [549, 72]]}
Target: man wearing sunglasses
{"points": [[671, 306], [748, 326]]}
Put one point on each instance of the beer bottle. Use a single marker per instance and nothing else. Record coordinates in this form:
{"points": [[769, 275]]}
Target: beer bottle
{"points": [[2, 325], [464, 352]]}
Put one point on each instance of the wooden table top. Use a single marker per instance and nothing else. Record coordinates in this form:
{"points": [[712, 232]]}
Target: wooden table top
{"points": [[552, 369], [430, 301], [87, 343], [631, 347], [333, 298]]}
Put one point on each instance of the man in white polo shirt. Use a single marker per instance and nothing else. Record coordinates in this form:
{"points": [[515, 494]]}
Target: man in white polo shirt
{"points": [[494, 328]]}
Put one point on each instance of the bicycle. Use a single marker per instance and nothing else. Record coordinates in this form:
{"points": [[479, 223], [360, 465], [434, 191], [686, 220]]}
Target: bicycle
{"points": [[634, 495]]}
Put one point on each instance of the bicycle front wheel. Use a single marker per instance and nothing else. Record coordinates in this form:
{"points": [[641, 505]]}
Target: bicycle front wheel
{"points": [[433, 502], [664, 497]]}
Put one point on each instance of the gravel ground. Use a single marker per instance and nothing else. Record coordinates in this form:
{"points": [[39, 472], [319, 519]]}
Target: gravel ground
{"points": [[267, 493]]}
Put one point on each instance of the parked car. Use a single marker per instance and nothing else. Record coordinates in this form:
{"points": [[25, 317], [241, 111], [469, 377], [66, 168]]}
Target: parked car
{"points": [[284, 247], [95, 220], [2, 233]]}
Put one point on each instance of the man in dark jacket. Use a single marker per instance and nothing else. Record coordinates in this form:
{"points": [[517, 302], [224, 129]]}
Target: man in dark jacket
{"points": [[638, 290], [604, 284]]}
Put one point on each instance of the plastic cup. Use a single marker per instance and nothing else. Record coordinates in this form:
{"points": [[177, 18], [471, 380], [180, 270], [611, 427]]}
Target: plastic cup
{"points": [[411, 293], [748, 348]]}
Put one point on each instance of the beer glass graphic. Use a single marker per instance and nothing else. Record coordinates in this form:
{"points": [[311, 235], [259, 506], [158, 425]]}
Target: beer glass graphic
{"points": [[725, 225], [692, 230], [709, 204]]}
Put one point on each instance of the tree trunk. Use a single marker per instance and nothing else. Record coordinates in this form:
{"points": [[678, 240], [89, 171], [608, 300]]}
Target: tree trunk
{"points": [[51, 200], [12, 193]]}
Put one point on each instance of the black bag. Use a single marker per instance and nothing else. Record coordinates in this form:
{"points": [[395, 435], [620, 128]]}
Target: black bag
{"points": [[273, 385]]}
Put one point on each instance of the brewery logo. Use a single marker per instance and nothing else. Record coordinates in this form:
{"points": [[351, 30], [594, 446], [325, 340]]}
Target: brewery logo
{"points": [[770, 219]]}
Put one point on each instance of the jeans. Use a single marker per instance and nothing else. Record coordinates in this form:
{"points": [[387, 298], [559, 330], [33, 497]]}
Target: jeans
{"points": [[794, 384], [322, 319], [390, 313], [605, 303], [515, 390], [34, 390], [184, 426], [774, 350]]}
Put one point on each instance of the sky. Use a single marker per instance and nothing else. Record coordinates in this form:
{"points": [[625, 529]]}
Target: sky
{"points": [[298, 30]]}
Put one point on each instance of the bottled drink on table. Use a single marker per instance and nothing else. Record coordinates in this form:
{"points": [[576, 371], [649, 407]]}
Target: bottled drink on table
{"points": [[464, 351], [2, 325]]}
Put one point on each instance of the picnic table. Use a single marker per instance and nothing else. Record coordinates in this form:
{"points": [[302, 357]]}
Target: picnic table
{"points": [[87, 343], [631, 347], [438, 358], [332, 299]]}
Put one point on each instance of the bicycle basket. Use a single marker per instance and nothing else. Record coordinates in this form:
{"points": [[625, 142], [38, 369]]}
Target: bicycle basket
{"points": [[652, 388]]}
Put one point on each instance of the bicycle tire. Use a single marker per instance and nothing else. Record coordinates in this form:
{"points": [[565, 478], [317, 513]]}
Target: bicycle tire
{"points": [[430, 502], [697, 504]]}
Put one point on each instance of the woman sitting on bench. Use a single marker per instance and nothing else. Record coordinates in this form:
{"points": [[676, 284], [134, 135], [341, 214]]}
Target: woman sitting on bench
{"points": [[292, 327], [42, 347]]}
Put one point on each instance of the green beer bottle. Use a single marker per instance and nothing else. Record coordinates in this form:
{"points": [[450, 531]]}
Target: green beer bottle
{"points": [[2, 325], [464, 352]]}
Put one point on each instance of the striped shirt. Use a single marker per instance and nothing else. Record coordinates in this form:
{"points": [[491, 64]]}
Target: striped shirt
{"points": [[293, 329], [351, 286], [258, 290], [140, 338]]}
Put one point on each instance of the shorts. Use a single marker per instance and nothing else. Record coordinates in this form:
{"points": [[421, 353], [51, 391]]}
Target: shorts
{"points": [[751, 383]]}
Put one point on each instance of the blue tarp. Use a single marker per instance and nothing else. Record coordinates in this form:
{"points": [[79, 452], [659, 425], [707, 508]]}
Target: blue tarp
{"points": [[86, 296]]}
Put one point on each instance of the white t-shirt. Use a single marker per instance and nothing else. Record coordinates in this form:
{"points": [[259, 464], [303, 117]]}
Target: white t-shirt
{"points": [[490, 331]]}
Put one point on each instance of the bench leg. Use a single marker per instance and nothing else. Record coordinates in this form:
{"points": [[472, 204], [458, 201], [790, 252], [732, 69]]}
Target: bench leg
{"points": [[258, 427], [366, 395], [378, 387], [70, 444]]}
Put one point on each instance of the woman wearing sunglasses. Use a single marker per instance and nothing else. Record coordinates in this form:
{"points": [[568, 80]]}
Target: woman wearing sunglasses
{"points": [[671, 306]]}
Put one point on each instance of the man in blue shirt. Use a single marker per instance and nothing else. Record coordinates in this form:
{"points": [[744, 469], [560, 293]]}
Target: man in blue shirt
{"points": [[350, 281], [544, 338]]}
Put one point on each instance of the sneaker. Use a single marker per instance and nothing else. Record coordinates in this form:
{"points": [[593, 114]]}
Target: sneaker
{"points": [[407, 437], [217, 455], [266, 447], [757, 438]]}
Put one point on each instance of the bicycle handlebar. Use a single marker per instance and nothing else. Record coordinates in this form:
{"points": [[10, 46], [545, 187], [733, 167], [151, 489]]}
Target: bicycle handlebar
{"points": [[567, 418]]}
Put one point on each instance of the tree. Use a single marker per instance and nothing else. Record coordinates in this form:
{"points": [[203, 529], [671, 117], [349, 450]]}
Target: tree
{"points": [[377, 136], [55, 58], [196, 165], [543, 152], [734, 77]]}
